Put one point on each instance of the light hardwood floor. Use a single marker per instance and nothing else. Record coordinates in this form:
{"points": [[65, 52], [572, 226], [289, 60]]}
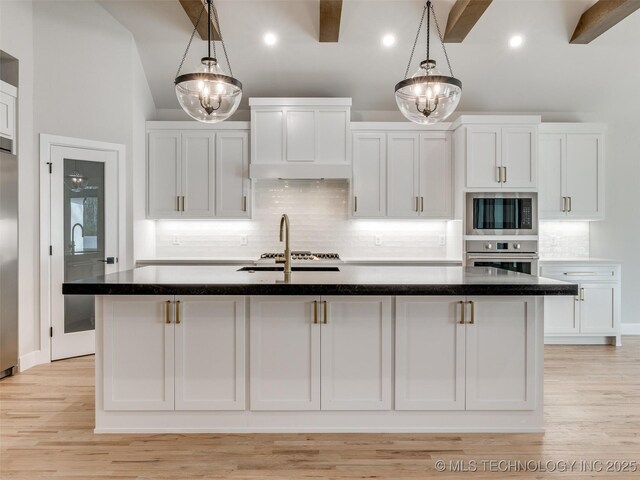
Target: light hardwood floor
{"points": [[592, 404]]}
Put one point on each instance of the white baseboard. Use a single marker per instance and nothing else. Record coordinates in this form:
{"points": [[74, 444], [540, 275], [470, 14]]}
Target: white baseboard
{"points": [[31, 359], [631, 329]]}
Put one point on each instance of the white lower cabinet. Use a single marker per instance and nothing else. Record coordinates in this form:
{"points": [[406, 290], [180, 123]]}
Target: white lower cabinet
{"points": [[294, 339], [457, 353], [174, 353]]}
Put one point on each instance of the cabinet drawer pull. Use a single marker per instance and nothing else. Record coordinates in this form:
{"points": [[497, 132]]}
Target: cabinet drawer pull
{"points": [[473, 313], [167, 312], [462, 309], [177, 312], [355, 203], [326, 314], [577, 274], [315, 312]]}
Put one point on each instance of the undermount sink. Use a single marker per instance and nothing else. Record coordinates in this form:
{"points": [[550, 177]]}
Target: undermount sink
{"points": [[277, 268]]}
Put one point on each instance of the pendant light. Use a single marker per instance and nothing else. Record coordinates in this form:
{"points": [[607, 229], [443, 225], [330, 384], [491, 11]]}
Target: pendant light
{"points": [[428, 96], [208, 94]]}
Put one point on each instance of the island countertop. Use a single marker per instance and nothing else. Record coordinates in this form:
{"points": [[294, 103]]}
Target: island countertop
{"points": [[349, 280]]}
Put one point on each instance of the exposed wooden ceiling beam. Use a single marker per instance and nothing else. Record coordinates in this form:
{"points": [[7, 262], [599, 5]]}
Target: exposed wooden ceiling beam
{"points": [[330, 13], [462, 17], [193, 9], [600, 17]]}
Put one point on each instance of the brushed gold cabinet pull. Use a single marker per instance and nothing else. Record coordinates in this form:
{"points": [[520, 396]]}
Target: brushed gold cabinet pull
{"points": [[473, 313], [499, 174], [167, 313], [177, 312], [505, 175], [582, 294], [462, 309], [417, 204], [244, 203], [183, 203], [315, 312], [326, 316], [422, 204], [564, 204], [355, 203], [569, 203], [178, 203]]}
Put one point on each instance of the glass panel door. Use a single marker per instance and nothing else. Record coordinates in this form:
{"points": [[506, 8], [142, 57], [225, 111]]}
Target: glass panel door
{"points": [[84, 237]]}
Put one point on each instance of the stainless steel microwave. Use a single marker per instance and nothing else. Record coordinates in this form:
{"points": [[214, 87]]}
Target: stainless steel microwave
{"points": [[502, 214]]}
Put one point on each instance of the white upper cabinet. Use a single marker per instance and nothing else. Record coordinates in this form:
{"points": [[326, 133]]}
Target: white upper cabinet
{"points": [[7, 110], [572, 171], [300, 138], [500, 152], [435, 173], [197, 173], [232, 174], [369, 175], [403, 181]]}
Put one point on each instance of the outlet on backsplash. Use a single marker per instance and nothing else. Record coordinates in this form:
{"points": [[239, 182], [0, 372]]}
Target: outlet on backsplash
{"points": [[378, 241], [244, 240]]}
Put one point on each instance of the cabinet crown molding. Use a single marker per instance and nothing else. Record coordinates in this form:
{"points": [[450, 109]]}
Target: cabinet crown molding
{"points": [[299, 102], [496, 120]]}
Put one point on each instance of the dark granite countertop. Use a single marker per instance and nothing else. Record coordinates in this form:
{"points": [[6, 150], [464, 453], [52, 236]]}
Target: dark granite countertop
{"points": [[350, 280]]}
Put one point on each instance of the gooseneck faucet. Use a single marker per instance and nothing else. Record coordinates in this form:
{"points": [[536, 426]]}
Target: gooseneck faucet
{"points": [[284, 226], [73, 236]]}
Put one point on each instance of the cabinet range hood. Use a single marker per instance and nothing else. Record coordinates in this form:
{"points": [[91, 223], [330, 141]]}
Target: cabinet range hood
{"points": [[300, 138]]}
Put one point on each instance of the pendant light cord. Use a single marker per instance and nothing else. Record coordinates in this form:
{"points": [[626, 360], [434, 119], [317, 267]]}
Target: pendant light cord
{"points": [[195, 29], [428, 10]]}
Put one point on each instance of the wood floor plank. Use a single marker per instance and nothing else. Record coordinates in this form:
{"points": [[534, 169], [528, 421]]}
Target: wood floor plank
{"points": [[592, 412]]}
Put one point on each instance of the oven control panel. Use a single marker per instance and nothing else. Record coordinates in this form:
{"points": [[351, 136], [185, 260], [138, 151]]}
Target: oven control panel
{"points": [[498, 246]]}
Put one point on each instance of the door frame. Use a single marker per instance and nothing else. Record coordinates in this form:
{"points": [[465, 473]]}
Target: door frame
{"points": [[47, 142]]}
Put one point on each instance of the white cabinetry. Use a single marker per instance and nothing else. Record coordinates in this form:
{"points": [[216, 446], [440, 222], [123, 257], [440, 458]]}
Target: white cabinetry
{"points": [[410, 172], [457, 353], [499, 151], [198, 173], [593, 316], [572, 171], [287, 357], [8, 102], [300, 137], [166, 353]]}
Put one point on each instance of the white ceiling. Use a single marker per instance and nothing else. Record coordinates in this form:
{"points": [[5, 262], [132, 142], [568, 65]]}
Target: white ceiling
{"points": [[546, 74]]}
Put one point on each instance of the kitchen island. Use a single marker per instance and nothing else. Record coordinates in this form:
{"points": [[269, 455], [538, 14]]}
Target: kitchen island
{"points": [[352, 348]]}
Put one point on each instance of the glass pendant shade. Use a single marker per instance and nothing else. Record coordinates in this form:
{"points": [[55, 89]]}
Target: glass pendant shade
{"points": [[208, 95], [428, 96]]}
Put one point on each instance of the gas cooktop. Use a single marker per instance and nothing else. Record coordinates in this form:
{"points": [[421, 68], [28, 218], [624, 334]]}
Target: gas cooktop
{"points": [[303, 256]]}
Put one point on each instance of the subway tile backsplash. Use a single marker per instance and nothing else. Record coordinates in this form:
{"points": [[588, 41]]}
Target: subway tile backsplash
{"points": [[564, 239], [320, 221]]}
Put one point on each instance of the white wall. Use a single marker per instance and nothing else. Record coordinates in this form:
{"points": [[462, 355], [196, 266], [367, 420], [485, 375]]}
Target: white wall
{"points": [[16, 38], [81, 76]]}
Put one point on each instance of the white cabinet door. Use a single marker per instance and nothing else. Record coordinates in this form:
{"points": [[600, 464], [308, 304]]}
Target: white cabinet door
{"points": [[356, 353], [369, 175], [284, 354], [332, 138], [7, 115], [198, 174], [232, 174], [484, 145], [138, 353], [500, 352], [300, 135], [552, 176], [402, 175], [435, 176], [520, 157], [267, 136], [561, 315], [209, 353], [430, 353], [164, 170], [585, 173], [597, 313]]}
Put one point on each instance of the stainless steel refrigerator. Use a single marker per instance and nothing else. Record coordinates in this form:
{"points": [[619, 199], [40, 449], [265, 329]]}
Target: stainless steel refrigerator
{"points": [[8, 262]]}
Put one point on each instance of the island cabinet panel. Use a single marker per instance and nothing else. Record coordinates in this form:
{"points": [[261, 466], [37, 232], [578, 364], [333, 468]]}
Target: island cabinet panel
{"points": [[138, 353], [284, 353], [500, 361], [356, 353], [210, 353], [430, 353]]}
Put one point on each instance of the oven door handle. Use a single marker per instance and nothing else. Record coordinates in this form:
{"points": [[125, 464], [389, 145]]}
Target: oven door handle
{"points": [[503, 257]]}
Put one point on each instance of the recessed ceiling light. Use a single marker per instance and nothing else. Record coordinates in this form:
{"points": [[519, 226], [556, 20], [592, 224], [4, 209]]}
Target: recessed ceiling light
{"points": [[389, 40], [270, 39], [516, 41]]}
